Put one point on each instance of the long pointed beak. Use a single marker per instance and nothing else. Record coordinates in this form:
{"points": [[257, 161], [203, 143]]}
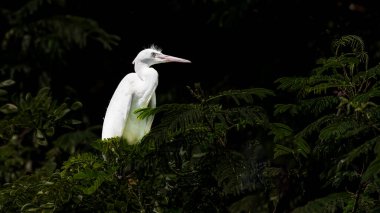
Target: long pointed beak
{"points": [[168, 58]]}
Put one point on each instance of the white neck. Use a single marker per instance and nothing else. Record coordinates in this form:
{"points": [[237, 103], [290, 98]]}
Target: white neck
{"points": [[145, 72], [149, 77]]}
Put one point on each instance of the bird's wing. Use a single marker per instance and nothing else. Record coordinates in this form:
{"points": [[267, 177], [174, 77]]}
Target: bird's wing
{"points": [[118, 109], [149, 120]]}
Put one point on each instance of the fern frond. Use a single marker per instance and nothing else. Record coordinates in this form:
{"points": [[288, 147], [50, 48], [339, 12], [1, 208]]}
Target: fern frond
{"points": [[371, 73], [292, 109], [90, 179], [314, 105], [366, 96], [331, 203], [237, 175], [280, 150], [78, 161], [328, 66], [319, 104], [353, 41], [373, 170], [179, 117], [338, 178], [240, 117], [280, 131], [245, 95], [254, 203], [291, 84], [357, 47], [323, 88], [338, 130], [34, 193], [363, 149], [316, 84], [54, 35], [300, 148], [317, 125], [229, 173]]}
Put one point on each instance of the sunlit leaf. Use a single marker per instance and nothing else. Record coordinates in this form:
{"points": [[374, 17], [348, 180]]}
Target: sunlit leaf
{"points": [[8, 108], [7, 83]]}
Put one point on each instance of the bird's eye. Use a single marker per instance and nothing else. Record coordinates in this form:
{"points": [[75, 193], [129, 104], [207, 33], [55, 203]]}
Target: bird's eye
{"points": [[154, 54]]}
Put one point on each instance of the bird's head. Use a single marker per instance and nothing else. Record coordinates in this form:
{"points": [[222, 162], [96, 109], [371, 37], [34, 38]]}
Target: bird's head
{"points": [[153, 55]]}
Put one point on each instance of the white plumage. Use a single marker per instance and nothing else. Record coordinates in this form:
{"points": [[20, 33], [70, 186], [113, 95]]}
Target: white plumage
{"points": [[135, 91]]}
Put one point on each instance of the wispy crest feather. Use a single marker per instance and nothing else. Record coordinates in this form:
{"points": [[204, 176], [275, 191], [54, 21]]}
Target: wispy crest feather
{"points": [[155, 47]]}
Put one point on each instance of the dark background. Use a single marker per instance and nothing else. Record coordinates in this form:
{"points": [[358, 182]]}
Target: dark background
{"points": [[232, 44]]}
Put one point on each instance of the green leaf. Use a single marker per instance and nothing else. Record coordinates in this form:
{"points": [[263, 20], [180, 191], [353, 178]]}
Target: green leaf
{"points": [[337, 130], [62, 113], [373, 170], [49, 205], [330, 203], [302, 147], [76, 105], [8, 108], [7, 83], [26, 206], [280, 150], [280, 131], [43, 92], [282, 108], [245, 95], [50, 131], [39, 138]]}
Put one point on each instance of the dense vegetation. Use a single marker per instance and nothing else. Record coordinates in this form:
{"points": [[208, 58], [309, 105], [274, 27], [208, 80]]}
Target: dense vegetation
{"points": [[247, 150]]}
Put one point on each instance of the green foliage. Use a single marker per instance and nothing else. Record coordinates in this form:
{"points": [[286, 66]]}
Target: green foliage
{"points": [[35, 42], [341, 132], [38, 131], [37, 193], [187, 152], [331, 203], [29, 130], [217, 153], [51, 35]]}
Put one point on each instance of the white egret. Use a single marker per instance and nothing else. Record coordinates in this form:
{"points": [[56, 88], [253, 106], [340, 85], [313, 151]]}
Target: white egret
{"points": [[135, 91]]}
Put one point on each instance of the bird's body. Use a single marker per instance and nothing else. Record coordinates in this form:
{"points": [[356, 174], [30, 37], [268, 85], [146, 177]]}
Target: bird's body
{"points": [[135, 91]]}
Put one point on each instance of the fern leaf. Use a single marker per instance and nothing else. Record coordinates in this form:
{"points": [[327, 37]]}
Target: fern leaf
{"points": [[355, 42], [371, 73], [319, 104], [365, 97], [245, 95], [280, 131], [327, 66], [7, 83], [283, 108], [302, 147], [338, 130], [363, 149], [330, 203], [291, 84], [373, 170], [317, 125], [281, 150], [95, 178]]}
